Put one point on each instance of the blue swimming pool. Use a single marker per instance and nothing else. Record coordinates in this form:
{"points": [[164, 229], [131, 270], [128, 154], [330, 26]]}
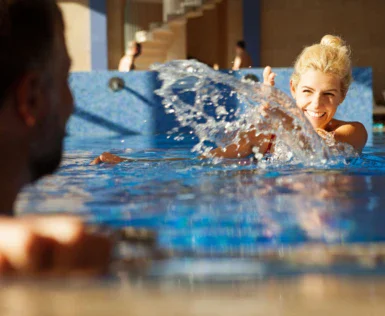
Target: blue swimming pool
{"points": [[202, 209]]}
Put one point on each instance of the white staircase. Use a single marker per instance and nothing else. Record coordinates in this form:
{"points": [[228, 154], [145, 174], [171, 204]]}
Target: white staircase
{"points": [[160, 41]]}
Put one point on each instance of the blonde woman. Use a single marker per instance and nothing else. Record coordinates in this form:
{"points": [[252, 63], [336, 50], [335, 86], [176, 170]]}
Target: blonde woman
{"points": [[319, 84]]}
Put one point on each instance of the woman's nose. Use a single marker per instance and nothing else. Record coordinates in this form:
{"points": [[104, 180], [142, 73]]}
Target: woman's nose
{"points": [[316, 101]]}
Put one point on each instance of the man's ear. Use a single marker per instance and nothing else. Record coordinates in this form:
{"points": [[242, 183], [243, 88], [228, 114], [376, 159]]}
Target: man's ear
{"points": [[292, 89], [28, 94]]}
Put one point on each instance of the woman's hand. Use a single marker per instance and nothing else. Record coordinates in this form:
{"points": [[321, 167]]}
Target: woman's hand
{"points": [[324, 134], [277, 116], [108, 158], [269, 76]]}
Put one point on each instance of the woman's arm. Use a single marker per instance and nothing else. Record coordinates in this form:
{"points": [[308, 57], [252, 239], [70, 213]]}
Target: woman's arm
{"points": [[109, 158], [249, 140], [244, 147]]}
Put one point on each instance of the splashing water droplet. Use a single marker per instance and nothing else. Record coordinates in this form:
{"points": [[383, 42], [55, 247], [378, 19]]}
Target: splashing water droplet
{"points": [[218, 108]]}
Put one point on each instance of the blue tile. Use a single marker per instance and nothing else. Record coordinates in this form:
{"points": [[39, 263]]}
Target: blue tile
{"points": [[137, 110]]}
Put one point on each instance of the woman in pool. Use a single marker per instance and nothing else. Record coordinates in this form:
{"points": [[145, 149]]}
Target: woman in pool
{"points": [[320, 81]]}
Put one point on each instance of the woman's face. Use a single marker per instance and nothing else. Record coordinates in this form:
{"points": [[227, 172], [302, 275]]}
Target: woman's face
{"points": [[318, 95]]}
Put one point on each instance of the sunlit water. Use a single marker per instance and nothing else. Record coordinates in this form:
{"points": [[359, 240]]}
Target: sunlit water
{"points": [[228, 207]]}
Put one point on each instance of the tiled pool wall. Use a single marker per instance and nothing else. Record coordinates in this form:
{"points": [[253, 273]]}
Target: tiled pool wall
{"points": [[137, 110]]}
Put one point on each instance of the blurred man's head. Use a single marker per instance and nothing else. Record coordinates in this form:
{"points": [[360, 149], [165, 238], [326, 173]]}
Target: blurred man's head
{"points": [[240, 47], [35, 100], [134, 49]]}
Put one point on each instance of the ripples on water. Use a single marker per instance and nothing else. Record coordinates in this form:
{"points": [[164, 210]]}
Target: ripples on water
{"points": [[203, 207]]}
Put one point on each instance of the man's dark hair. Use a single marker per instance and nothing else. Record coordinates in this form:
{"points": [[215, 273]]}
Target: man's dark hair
{"points": [[27, 33], [138, 49], [241, 44], [251, 77]]}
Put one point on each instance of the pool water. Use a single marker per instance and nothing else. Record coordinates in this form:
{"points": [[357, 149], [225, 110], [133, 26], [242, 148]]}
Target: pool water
{"points": [[203, 209]]}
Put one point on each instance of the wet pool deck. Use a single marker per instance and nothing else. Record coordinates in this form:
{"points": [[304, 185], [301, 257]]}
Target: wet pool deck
{"points": [[308, 295]]}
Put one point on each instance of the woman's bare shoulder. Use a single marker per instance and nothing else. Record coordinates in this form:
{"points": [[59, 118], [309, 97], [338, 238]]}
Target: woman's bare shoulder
{"points": [[336, 124], [353, 133]]}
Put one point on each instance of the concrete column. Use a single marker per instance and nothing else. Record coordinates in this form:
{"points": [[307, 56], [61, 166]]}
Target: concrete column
{"points": [[115, 32], [170, 7], [99, 44], [234, 28], [131, 24], [252, 29], [77, 31], [178, 48]]}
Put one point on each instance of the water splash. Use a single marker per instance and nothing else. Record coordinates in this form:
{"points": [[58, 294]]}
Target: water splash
{"points": [[218, 108]]}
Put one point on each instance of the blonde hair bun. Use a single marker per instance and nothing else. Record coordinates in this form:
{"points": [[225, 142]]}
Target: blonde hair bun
{"points": [[333, 41]]}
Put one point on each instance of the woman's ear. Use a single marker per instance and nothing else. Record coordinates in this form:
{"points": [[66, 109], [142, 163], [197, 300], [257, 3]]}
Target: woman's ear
{"points": [[292, 89], [343, 96]]}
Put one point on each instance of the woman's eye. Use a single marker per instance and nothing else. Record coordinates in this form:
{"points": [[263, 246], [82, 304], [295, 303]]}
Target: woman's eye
{"points": [[306, 91], [330, 94]]}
